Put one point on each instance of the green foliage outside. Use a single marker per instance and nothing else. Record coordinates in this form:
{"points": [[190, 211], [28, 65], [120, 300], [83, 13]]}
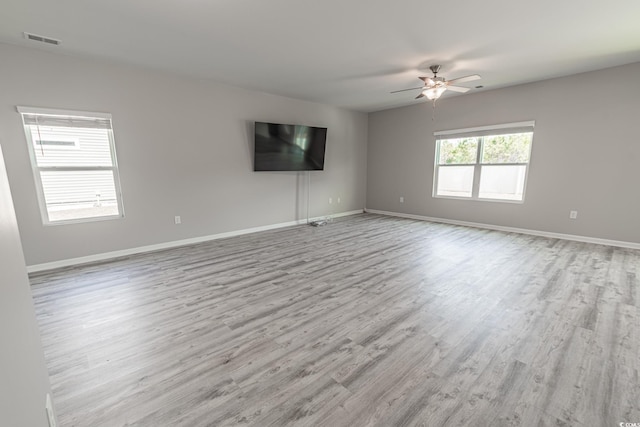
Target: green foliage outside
{"points": [[513, 148], [458, 151]]}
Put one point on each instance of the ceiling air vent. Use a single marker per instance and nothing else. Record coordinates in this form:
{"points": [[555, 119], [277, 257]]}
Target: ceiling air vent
{"points": [[41, 39]]}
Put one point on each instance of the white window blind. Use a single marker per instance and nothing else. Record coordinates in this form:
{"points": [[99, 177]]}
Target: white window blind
{"points": [[74, 164]]}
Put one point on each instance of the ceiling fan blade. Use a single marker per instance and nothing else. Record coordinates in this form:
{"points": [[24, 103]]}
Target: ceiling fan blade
{"points": [[465, 79], [420, 96], [458, 89], [404, 90], [428, 81]]}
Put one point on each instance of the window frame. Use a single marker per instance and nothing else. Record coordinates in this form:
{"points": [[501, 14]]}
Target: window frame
{"points": [[37, 170], [483, 132]]}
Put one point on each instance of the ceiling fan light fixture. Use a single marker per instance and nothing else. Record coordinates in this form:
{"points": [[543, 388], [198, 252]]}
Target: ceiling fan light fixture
{"points": [[435, 92]]}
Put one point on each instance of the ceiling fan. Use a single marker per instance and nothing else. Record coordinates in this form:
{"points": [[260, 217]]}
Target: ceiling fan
{"points": [[435, 86]]}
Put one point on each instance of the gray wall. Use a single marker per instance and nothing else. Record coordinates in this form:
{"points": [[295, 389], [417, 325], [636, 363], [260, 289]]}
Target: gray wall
{"points": [[585, 155], [184, 148], [23, 376]]}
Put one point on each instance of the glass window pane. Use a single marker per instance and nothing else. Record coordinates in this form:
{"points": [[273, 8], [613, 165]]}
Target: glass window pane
{"points": [[512, 148], [73, 195], [503, 182], [456, 181], [458, 151], [67, 146]]}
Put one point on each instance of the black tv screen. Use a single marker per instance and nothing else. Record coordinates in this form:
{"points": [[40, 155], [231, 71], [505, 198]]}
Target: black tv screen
{"points": [[281, 147]]}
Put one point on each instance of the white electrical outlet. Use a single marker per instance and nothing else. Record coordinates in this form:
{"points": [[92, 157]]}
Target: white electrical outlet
{"points": [[338, 199], [50, 414], [401, 199], [330, 200], [573, 214], [177, 219]]}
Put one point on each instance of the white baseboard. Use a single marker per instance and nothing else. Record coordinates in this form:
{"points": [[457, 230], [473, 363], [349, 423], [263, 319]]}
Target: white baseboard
{"points": [[573, 237], [173, 244]]}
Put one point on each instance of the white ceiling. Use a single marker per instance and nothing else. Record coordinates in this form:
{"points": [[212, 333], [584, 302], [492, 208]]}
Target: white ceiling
{"points": [[349, 53]]}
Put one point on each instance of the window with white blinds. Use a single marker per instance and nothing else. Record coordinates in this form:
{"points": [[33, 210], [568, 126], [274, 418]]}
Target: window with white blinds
{"points": [[484, 163], [74, 164]]}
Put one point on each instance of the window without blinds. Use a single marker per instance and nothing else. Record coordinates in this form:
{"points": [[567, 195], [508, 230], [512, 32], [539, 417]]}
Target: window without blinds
{"points": [[488, 163], [74, 164]]}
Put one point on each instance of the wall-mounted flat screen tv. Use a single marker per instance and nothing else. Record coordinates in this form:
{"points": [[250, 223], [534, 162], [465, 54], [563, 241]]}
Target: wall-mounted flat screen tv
{"points": [[280, 147]]}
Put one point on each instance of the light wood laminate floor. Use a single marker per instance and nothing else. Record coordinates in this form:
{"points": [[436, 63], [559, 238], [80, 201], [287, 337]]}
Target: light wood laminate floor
{"points": [[370, 320]]}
